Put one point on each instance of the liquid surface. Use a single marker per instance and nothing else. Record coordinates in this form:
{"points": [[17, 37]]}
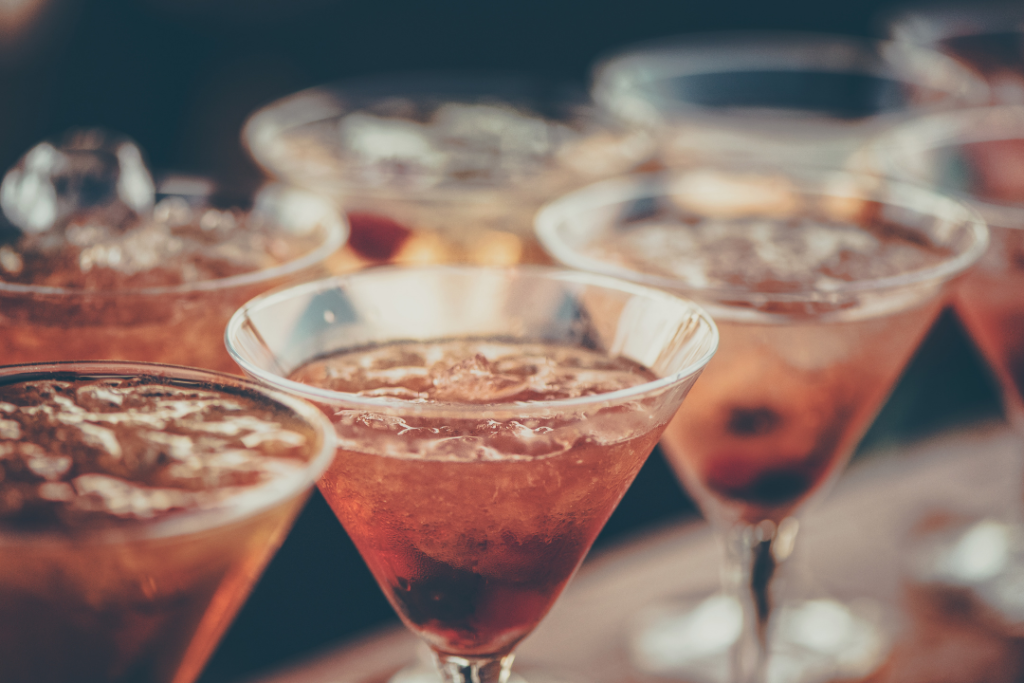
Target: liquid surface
{"points": [[473, 372], [114, 451], [472, 525], [178, 244], [764, 254]]}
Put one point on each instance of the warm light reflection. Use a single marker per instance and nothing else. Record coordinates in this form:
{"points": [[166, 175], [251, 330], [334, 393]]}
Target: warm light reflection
{"points": [[16, 15]]}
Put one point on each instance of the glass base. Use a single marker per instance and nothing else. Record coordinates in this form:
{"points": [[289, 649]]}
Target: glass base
{"points": [[424, 670], [983, 557], [810, 641]]}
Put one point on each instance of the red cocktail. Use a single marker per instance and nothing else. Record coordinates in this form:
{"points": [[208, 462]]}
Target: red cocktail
{"points": [[138, 505], [822, 287], [489, 421], [90, 274]]}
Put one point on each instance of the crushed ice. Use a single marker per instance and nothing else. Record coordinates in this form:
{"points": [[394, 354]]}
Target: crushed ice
{"points": [[129, 450], [762, 253]]}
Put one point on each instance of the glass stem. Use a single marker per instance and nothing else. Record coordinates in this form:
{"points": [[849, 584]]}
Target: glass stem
{"points": [[754, 558], [456, 669]]}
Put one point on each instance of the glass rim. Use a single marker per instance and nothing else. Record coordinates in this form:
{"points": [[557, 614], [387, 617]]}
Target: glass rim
{"points": [[336, 234], [923, 24], [243, 505], [952, 129], [455, 410], [754, 50], [617, 191]]}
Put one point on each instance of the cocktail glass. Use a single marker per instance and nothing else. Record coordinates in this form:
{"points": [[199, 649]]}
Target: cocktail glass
{"points": [[988, 37], [118, 562], [802, 97], [822, 286], [977, 155], [181, 324], [473, 512], [436, 168]]}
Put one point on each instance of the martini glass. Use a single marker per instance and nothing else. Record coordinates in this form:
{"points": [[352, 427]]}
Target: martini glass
{"points": [[822, 286], [441, 167], [988, 37], [154, 312], [140, 504], [489, 420], [803, 97], [977, 155]]}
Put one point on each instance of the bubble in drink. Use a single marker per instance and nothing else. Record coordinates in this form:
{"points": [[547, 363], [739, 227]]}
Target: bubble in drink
{"points": [[135, 515], [473, 523], [95, 269]]}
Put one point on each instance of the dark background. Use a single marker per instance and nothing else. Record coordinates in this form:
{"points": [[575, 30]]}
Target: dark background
{"points": [[180, 76]]}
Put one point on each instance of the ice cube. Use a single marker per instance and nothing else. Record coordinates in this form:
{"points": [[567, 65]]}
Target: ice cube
{"points": [[92, 174]]}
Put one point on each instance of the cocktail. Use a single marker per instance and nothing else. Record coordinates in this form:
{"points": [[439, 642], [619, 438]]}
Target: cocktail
{"points": [[489, 421], [435, 168], [822, 286], [99, 262], [804, 97], [978, 156], [138, 505]]}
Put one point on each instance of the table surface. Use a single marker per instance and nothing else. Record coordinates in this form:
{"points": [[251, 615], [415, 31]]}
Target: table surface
{"points": [[853, 544]]}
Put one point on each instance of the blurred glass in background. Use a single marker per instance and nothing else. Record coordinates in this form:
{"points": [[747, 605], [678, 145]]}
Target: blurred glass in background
{"points": [[785, 97], [987, 37], [441, 168]]}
